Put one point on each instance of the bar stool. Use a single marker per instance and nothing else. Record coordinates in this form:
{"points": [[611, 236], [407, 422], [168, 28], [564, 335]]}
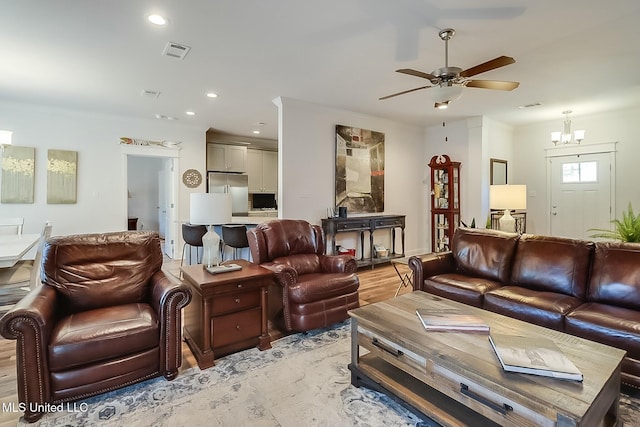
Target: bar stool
{"points": [[234, 236], [192, 235]]}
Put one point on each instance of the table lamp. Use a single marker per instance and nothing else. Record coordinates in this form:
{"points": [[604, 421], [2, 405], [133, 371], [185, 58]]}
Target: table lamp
{"points": [[507, 197], [210, 209]]}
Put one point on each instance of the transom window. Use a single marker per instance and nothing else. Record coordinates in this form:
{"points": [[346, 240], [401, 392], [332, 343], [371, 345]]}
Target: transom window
{"points": [[580, 172]]}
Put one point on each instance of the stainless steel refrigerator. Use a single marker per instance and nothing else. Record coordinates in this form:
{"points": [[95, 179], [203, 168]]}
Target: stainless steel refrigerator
{"points": [[235, 183]]}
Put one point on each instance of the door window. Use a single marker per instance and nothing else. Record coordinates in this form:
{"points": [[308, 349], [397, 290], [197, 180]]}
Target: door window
{"points": [[579, 172]]}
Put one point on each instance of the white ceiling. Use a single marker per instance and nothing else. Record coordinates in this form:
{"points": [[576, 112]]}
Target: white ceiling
{"points": [[582, 55]]}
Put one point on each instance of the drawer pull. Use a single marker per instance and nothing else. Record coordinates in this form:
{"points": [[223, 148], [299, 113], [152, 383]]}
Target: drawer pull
{"points": [[237, 300], [393, 351], [238, 327], [239, 285], [503, 409]]}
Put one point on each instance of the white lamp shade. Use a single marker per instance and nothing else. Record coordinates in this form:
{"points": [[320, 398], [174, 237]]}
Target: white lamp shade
{"points": [[5, 137], [210, 208], [508, 197]]}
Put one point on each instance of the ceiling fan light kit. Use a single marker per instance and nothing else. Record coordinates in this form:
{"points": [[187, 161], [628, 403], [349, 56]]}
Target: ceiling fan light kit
{"points": [[448, 82], [444, 94]]}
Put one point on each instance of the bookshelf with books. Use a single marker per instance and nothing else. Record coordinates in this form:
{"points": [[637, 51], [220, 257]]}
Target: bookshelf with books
{"points": [[445, 201]]}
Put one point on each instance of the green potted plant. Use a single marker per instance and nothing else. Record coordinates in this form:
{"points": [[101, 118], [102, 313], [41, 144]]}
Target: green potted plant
{"points": [[626, 230]]}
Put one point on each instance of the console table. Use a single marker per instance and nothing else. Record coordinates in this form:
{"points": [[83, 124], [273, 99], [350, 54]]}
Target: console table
{"points": [[362, 224]]}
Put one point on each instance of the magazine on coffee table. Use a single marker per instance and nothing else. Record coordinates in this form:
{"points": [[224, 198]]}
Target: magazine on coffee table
{"points": [[530, 355], [451, 320]]}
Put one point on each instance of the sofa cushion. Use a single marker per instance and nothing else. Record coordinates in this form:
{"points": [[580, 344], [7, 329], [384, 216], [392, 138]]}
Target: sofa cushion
{"points": [[321, 286], [484, 253], [101, 270], [102, 334], [302, 263], [538, 307], [615, 326], [553, 264], [615, 275], [465, 289], [289, 237]]}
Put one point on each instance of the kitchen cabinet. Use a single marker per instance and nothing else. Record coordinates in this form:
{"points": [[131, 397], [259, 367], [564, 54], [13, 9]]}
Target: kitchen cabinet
{"points": [[262, 167], [226, 158]]}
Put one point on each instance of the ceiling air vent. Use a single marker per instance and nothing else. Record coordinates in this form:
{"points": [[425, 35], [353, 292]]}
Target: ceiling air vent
{"points": [[150, 93], [176, 50]]}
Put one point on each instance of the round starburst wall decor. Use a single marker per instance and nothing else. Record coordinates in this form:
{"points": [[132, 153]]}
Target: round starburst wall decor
{"points": [[191, 178]]}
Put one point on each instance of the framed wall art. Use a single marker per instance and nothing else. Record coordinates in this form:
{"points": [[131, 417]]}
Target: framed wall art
{"points": [[62, 168], [359, 171], [18, 174]]}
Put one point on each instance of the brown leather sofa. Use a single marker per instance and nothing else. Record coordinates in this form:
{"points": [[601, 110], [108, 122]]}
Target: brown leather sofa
{"points": [[312, 290], [105, 317], [587, 289]]}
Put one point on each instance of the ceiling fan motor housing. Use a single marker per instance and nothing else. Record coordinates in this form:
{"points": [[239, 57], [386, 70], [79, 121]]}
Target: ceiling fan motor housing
{"points": [[446, 74]]}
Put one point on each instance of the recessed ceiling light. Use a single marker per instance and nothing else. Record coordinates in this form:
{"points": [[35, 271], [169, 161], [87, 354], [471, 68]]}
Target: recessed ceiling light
{"points": [[162, 116], [190, 113], [157, 19], [257, 132], [212, 95]]}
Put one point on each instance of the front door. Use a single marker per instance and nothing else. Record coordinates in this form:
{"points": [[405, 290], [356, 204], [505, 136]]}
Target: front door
{"points": [[581, 196]]}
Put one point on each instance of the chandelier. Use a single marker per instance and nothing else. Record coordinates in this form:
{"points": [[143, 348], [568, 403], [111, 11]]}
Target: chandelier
{"points": [[566, 137]]}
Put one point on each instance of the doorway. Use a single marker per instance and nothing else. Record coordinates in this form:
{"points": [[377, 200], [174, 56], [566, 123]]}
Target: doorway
{"points": [[151, 193], [582, 190]]}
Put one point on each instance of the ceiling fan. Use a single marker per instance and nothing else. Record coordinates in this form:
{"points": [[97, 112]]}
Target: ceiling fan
{"points": [[450, 81]]}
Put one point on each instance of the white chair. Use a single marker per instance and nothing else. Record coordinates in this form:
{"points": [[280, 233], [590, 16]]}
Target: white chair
{"points": [[11, 225], [17, 281]]}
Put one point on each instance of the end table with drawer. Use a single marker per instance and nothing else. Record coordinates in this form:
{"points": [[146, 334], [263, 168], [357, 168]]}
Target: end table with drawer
{"points": [[228, 311]]}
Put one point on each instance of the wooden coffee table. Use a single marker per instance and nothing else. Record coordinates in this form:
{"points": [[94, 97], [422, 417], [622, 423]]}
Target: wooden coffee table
{"points": [[455, 379]]}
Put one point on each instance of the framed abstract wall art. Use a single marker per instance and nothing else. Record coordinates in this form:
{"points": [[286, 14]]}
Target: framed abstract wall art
{"points": [[359, 172], [61, 176], [18, 174]]}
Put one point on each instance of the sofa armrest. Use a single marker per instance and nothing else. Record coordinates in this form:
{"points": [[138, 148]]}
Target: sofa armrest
{"points": [[168, 299], [30, 322], [430, 265], [338, 264], [285, 275]]}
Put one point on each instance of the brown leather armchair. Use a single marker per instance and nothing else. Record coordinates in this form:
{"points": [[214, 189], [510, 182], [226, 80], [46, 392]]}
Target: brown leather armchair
{"points": [[105, 317], [312, 290]]}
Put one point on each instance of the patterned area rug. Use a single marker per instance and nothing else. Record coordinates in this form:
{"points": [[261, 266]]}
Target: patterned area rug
{"points": [[302, 380]]}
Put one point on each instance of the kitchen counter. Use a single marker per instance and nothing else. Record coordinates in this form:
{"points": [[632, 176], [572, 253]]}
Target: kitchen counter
{"points": [[251, 220]]}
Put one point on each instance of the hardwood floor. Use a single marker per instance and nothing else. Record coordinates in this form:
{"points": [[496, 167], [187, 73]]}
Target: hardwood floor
{"points": [[376, 285]]}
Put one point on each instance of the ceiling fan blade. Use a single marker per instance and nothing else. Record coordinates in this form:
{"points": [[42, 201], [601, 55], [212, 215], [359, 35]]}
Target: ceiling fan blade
{"points": [[492, 84], [417, 73], [498, 62], [403, 92]]}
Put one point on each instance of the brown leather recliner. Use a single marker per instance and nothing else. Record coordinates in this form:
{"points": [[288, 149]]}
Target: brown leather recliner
{"points": [[313, 290], [105, 317]]}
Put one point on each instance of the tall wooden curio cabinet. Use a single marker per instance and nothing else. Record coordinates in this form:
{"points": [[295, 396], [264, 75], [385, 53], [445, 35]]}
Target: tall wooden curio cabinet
{"points": [[445, 201]]}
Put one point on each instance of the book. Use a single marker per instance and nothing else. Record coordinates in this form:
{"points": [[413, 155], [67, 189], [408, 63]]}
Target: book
{"points": [[223, 268], [536, 356], [451, 320]]}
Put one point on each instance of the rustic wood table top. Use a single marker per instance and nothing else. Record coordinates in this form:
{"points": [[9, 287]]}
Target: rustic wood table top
{"points": [[470, 356]]}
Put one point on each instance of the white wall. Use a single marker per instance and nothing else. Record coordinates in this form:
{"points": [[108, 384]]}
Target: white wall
{"points": [[101, 201], [307, 174], [529, 163]]}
